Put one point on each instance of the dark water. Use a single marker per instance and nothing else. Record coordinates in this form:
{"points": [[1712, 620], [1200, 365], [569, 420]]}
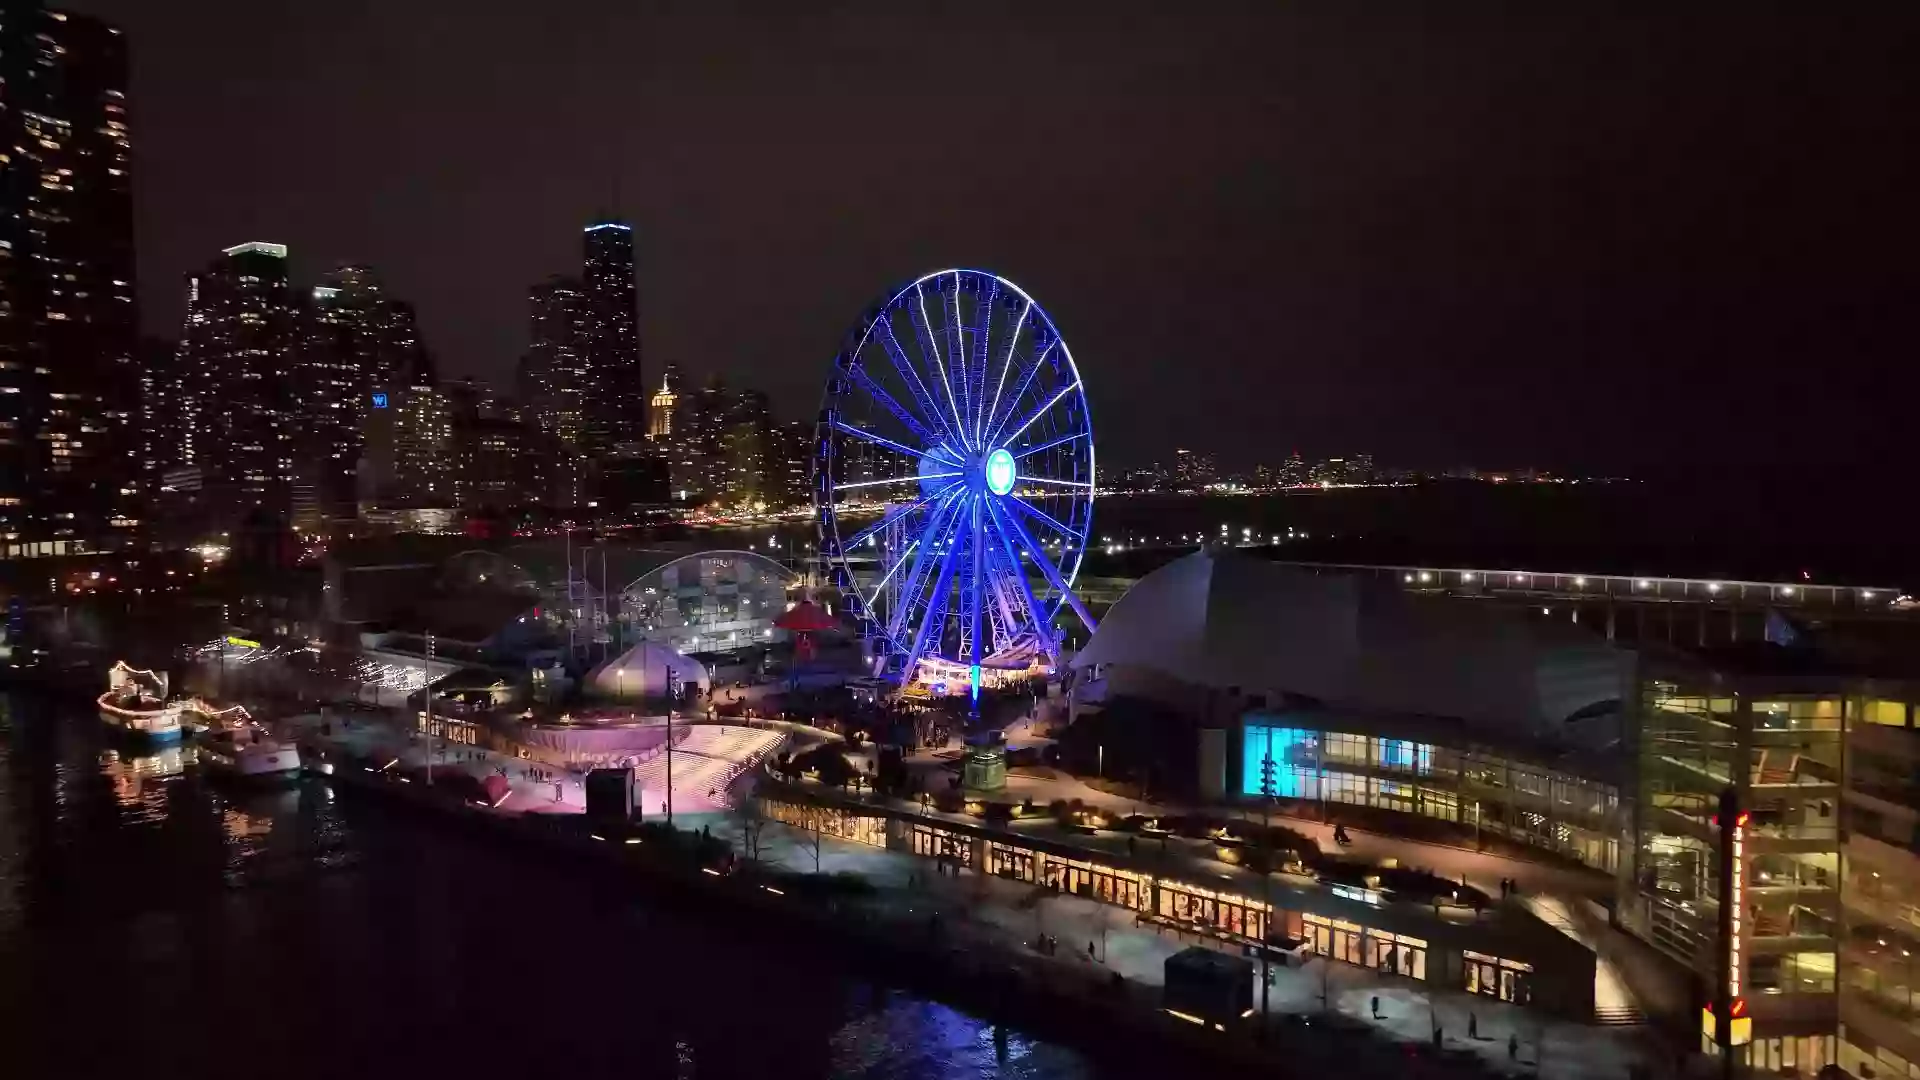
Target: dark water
{"points": [[161, 926], [1738, 526]]}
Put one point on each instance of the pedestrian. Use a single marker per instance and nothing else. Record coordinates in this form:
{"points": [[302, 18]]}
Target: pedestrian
{"points": [[1473, 1026], [1089, 950], [1376, 1006], [1436, 1036], [1513, 1047]]}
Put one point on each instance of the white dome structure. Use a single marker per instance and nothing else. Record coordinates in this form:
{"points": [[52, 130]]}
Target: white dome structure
{"points": [[641, 672], [1222, 619]]}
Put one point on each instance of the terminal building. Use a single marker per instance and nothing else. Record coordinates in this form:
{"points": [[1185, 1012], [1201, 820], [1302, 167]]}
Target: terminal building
{"points": [[1600, 722], [1370, 697]]}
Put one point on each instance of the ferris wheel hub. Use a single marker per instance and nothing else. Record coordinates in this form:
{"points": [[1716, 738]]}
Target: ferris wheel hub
{"points": [[997, 473]]}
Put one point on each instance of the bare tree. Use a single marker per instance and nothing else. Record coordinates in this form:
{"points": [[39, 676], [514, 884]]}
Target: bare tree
{"points": [[751, 818], [813, 822]]}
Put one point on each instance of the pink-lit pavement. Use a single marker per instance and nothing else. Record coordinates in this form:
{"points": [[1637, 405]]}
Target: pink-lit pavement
{"points": [[702, 765]]}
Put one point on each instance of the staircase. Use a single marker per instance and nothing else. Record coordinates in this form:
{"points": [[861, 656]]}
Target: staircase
{"points": [[708, 758]]}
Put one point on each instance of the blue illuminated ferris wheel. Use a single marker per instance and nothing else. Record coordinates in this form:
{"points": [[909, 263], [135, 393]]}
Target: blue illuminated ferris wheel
{"points": [[954, 481]]}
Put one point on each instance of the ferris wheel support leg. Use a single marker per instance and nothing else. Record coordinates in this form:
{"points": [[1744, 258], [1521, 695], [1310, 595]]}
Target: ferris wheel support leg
{"points": [[976, 590], [1019, 574], [1051, 571], [936, 600]]}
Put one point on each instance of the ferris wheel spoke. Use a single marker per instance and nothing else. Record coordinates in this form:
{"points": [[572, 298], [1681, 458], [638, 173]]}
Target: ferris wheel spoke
{"points": [[892, 404], [1041, 411], [976, 591], [910, 587], [1013, 343], [1014, 402], [923, 331], [1050, 445], [894, 515], [977, 366], [880, 585], [936, 604], [1035, 511], [957, 357], [895, 480], [1002, 523], [933, 452], [910, 373], [1025, 479], [1053, 575]]}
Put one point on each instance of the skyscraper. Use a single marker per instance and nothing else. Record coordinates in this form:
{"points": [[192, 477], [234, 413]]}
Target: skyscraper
{"points": [[68, 452], [660, 412], [358, 344], [617, 406], [556, 363], [239, 411]]}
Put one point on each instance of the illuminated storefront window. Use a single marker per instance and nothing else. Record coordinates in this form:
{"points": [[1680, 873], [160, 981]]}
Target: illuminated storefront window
{"points": [[1557, 811]]}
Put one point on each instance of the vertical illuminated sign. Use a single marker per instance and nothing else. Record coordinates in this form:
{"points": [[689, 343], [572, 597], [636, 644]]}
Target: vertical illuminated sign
{"points": [[1729, 1023], [1737, 896]]}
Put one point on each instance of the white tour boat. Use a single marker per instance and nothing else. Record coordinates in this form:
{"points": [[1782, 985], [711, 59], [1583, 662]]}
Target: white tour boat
{"points": [[247, 752], [136, 702]]}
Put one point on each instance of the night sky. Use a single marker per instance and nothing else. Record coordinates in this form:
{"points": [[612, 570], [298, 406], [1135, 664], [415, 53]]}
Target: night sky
{"points": [[1525, 233]]}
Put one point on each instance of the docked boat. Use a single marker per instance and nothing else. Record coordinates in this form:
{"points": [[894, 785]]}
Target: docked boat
{"points": [[136, 703], [199, 714], [247, 752]]}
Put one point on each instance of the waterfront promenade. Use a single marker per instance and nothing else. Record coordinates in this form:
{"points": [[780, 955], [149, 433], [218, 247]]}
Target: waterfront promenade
{"points": [[1008, 918], [1011, 916]]}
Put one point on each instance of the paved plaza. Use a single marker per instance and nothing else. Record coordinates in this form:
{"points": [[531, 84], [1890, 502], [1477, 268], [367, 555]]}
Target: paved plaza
{"points": [[1015, 915]]}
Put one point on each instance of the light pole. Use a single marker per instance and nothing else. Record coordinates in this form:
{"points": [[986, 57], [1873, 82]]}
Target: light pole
{"points": [[428, 691], [1266, 881]]}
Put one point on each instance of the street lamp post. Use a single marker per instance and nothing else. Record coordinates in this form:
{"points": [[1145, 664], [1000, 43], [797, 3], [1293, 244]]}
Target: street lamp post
{"points": [[428, 691], [1266, 882]]}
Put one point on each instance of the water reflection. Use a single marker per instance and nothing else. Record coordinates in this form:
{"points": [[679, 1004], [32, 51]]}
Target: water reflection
{"points": [[139, 780], [910, 1037], [374, 935]]}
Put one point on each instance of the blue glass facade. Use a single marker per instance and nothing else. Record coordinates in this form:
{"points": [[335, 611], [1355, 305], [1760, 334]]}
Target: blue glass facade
{"points": [[1295, 753], [1487, 790]]}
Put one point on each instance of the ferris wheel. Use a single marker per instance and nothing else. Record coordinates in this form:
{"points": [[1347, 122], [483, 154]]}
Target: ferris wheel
{"points": [[954, 482]]}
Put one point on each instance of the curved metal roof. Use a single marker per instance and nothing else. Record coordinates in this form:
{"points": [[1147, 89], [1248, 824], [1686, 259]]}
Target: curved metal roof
{"points": [[1223, 619]]}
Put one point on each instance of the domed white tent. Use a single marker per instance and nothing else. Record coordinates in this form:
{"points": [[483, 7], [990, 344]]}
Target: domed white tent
{"points": [[641, 672]]}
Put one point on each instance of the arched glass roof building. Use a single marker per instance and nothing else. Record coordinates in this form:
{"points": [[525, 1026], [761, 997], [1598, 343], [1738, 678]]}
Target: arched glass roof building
{"points": [[617, 595]]}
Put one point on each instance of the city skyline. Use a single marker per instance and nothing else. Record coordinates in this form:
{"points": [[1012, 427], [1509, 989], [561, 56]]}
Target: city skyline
{"points": [[1536, 272]]}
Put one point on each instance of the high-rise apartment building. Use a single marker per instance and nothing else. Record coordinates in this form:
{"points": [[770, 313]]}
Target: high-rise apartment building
{"points": [[794, 462], [747, 448], [556, 360], [617, 404], [69, 460], [239, 412]]}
